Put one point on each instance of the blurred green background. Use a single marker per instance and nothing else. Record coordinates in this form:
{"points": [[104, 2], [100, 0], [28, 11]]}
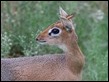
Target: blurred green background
{"points": [[21, 21]]}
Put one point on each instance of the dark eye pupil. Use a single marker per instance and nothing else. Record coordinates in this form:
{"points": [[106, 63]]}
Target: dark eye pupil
{"points": [[55, 31]]}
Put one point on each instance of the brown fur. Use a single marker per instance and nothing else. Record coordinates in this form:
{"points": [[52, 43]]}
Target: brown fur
{"points": [[58, 67]]}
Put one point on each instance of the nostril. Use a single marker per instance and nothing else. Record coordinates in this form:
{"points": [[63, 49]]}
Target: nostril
{"points": [[37, 39]]}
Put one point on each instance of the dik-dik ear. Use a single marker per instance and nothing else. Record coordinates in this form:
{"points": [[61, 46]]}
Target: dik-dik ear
{"points": [[66, 20]]}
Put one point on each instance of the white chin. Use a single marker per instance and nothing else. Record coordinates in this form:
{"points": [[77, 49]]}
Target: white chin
{"points": [[42, 43]]}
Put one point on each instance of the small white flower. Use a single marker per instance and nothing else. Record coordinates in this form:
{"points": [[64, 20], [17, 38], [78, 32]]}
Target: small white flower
{"points": [[98, 15], [41, 12], [86, 4], [15, 13], [12, 20]]}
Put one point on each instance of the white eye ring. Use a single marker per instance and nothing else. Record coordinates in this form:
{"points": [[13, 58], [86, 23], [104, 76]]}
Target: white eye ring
{"points": [[55, 34], [50, 30]]}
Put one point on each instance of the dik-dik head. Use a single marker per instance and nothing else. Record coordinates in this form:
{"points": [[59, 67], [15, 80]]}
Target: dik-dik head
{"points": [[60, 32]]}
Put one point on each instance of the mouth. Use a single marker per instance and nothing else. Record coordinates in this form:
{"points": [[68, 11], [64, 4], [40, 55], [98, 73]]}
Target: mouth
{"points": [[41, 41]]}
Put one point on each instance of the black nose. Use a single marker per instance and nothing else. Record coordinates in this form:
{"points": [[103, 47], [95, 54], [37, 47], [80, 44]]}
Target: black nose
{"points": [[37, 39]]}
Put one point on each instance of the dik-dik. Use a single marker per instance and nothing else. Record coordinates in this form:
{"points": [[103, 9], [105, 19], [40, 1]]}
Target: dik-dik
{"points": [[57, 67]]}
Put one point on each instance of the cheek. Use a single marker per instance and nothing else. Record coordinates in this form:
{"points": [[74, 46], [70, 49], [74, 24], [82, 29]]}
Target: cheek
{"points": [[54, 41]]}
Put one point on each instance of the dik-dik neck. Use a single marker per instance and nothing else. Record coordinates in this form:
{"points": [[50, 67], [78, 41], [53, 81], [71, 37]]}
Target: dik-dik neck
{"points": [[74, 56]]}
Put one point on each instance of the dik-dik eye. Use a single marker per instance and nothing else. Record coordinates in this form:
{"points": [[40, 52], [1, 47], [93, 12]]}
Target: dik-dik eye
{"points": [[54, 31]]}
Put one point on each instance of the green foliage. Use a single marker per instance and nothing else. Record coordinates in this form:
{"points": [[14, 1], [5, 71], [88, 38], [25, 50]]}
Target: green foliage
{"points": [[21, 21]]}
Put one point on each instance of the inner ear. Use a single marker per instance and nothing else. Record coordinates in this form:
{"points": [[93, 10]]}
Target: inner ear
{"points": [[68, 28], [67, 24]]}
